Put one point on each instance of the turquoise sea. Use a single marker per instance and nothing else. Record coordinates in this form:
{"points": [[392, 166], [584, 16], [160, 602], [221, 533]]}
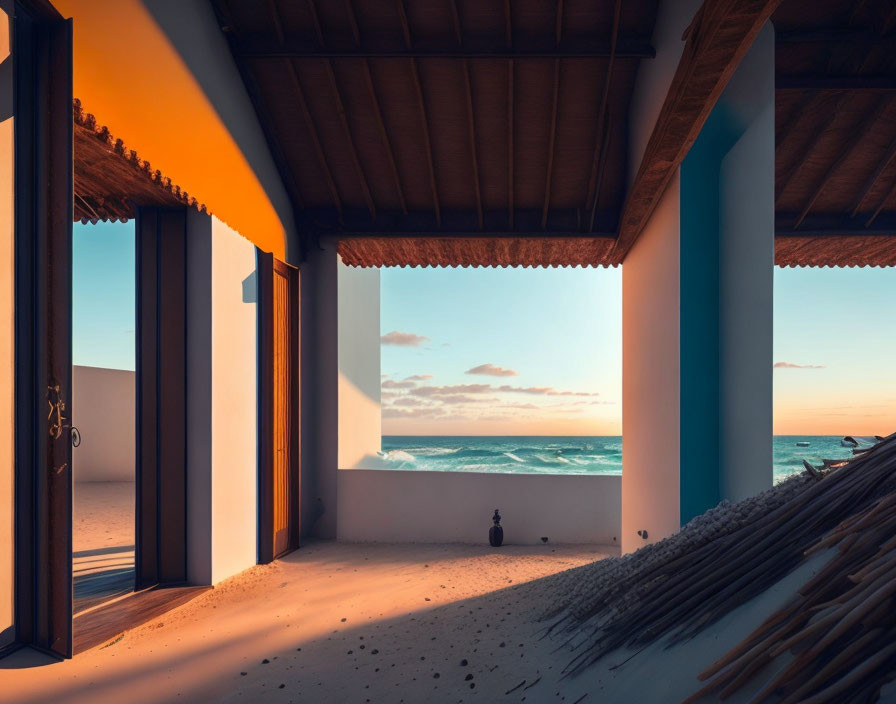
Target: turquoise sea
{"points": [[568, 455]]}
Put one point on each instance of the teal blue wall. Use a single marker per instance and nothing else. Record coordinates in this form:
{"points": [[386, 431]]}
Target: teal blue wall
{"points": [[699, 321]]}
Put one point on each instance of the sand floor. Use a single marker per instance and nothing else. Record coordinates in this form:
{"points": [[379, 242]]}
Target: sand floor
{"points": [[102, 542], [338, 623], [332, 622]]}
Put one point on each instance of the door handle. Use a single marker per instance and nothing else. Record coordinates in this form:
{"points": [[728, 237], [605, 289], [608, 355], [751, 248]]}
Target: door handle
{"points": [[56, 416]]}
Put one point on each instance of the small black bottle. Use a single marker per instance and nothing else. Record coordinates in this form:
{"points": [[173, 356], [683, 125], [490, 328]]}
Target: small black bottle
{"points": [[496, 532]]}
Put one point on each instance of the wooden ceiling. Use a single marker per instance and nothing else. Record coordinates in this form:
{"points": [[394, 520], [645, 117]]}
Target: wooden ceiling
{"points": [[446, 117], [835, 150]]}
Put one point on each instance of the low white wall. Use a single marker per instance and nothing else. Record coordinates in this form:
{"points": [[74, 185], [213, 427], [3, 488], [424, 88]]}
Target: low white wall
{"points": [[103, 410], [456, 507]]}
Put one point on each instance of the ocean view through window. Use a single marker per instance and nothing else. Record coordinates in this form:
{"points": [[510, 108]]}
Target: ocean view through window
{"points": [[502, 370]]}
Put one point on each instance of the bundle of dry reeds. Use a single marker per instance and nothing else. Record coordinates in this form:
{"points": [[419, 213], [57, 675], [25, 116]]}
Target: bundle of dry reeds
{"points": [[842, 623], [689, 592]]}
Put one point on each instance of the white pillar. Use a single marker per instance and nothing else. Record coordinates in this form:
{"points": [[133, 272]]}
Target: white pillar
{"points": [[697, 316], [222, 449], [360, 423]]}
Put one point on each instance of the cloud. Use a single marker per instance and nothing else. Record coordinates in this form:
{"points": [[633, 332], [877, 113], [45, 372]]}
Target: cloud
{"points": [[391, 384], [419, 377], [448, 390], [491, 370], [791, 365], [403, 339], [542, 391], [409, 401], [460, 398]]}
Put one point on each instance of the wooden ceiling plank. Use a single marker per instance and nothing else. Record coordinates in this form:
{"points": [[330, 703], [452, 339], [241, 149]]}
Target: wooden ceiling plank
{"points": [[511, 185], [349, 140], [870, 221], [315, 137], [353, 22], [593, 193], [818, 82], [858, 136], [421, 106], [384, 136], [508, 24], [552, 137], [879, 169], [471, 121], [558, 31], [275, 19], [716, 43], [315, 20], [798, 164], [471, 130]]}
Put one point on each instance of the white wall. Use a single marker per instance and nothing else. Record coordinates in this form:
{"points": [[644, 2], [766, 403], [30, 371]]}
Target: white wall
{"points": [[360, 420], [456, 507], [746, 275], [7, 371], [650, 378], [222, 402], [103, 410]]}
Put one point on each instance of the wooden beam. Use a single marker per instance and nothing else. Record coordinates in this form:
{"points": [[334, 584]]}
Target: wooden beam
{"points": [[558, 30], [353, 152], [471, 128], [870, 221], [832, 35], [627, 48], [421, 105], [848, 83], [599, 139], [384, 136], [315, 138], [549, 171], [858, 135], [817, 132], [809, 106], [881, 167], [786, 232], [315, 20], [511, 186], [353, 22], [717, 41]]}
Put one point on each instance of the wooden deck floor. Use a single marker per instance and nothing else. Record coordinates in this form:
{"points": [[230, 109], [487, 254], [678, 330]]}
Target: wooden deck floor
{"points": [[105, 623]]}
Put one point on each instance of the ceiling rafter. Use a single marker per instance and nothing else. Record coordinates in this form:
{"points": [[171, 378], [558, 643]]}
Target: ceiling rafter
{"points": [[600, 140], [471, 121], [872, 180], [421, 104], [859, 134], [511, 185], [798, 164]]}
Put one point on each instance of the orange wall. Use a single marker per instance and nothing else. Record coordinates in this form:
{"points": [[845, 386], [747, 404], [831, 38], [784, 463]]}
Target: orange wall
{"points": [[127, 73]]}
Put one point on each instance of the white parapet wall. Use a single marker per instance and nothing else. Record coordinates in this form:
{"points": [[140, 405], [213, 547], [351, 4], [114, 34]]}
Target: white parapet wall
{"points": [[393, 506], [103, 411]]}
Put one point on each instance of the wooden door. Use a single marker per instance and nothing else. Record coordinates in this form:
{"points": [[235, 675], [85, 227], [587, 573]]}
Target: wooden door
{"points": [[43, 252], [282, 409], [278, 404]]}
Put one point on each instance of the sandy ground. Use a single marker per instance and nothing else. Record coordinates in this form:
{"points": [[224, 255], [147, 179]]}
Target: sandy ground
{"points": [[332, 622], [338, 622], [102, 542]]}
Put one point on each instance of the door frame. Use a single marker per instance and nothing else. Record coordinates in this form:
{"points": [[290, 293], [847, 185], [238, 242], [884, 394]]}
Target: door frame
{"points": [[266, 265]]}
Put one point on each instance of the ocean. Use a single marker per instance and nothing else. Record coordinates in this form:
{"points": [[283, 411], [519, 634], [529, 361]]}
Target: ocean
{"points": [[568, 455]]}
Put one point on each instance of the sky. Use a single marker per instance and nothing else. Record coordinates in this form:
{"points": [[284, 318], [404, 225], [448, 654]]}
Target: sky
{"points": [[103, 295], [501, 351], [538, 351]]}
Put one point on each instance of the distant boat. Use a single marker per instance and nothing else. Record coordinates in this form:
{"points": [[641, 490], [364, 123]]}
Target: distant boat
{"points": [[802, 443]]}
